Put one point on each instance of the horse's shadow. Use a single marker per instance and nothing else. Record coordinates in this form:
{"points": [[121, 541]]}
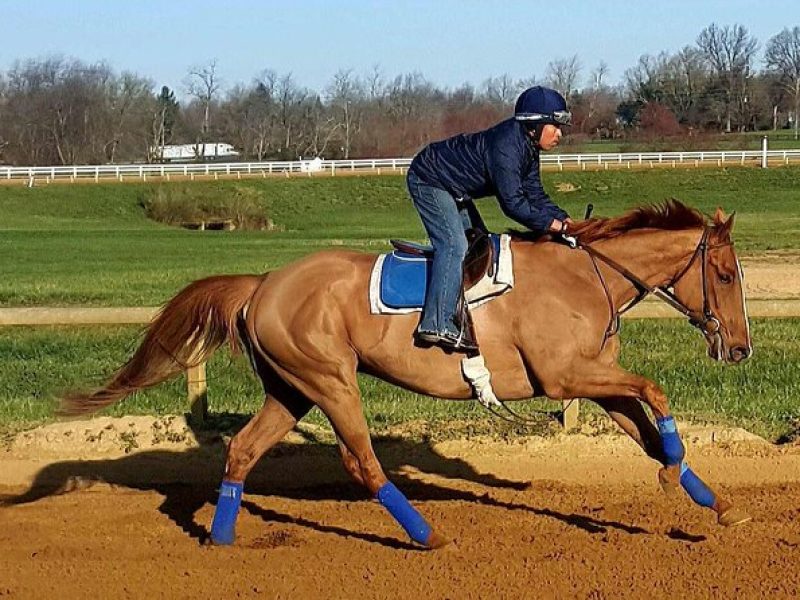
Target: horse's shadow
{"points": [[308, 471]]}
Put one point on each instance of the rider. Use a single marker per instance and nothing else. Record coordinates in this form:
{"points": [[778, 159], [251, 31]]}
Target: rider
{"points": [[502, 161]]}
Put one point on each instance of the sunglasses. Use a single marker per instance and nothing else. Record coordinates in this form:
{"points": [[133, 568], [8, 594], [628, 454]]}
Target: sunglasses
{"points": [[561, 117]]}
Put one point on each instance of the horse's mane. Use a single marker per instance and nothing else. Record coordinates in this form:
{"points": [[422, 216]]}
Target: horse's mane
{"points": [[671, 215]]}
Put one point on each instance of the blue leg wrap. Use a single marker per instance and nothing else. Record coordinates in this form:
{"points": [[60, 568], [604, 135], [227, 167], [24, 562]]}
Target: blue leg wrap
{"points": [[398, 506], [697, 490], [671, 443], [223, 525]]}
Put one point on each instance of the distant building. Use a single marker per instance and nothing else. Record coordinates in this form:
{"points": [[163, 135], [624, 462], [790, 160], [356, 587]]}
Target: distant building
{"points": [[310, 166], [192, 152]]}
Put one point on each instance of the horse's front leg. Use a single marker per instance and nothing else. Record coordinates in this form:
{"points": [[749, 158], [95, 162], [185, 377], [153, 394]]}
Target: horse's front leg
{"points": [[618, 391]]}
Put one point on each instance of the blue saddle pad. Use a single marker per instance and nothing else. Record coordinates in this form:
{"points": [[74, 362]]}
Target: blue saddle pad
{"points": [[405, 277]]}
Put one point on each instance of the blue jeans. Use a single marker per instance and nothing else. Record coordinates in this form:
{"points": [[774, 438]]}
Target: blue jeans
{"points": [[445, 225]]}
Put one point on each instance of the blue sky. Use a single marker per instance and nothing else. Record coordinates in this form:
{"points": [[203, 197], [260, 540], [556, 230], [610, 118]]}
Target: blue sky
{"points": [[448, 41]]}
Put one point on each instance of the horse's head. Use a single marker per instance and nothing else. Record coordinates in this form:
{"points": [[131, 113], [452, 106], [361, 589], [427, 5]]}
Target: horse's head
{"points": [[713, 288]]}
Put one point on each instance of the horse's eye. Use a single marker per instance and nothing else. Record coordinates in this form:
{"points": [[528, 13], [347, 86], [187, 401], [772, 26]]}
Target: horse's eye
{"points": [[725, 278]]}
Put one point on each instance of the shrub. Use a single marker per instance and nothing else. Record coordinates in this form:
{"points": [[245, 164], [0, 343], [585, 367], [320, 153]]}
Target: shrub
{"points": [[184, 205]]}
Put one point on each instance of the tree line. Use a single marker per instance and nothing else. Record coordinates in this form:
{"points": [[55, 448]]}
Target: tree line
{"points": [[63, 111]]}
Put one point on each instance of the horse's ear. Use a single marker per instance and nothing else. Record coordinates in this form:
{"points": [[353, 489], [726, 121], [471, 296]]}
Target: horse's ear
{"points": [[719, 216], [725, 228]]}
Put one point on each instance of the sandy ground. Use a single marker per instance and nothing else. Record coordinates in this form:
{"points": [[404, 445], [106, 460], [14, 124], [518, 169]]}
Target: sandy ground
{"points": [[772, 275], [117, 508]]}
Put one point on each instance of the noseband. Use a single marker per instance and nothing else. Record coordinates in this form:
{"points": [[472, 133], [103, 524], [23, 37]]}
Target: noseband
{"points": [[704, 320]]}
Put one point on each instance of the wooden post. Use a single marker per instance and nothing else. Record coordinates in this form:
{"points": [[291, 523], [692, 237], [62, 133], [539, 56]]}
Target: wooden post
{"points": [[198, 393], [571, 408]]}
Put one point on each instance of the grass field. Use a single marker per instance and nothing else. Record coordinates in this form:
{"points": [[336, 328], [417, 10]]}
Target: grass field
{"points": [[782, 139], [92, 245], [40, 363]]}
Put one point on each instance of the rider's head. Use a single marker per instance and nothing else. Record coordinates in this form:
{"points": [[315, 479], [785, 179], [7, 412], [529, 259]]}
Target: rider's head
{"points": [[543, 111]]}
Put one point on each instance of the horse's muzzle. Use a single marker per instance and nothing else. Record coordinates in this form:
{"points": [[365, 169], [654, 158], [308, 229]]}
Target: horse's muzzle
{"points": [[738, 354]]}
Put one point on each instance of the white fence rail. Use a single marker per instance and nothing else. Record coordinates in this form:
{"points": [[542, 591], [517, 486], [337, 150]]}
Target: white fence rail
{"points": [[332, 167]]}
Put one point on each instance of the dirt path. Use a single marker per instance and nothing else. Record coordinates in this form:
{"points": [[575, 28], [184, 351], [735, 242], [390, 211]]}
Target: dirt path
{"points": [[573, 516], [772, 275]]}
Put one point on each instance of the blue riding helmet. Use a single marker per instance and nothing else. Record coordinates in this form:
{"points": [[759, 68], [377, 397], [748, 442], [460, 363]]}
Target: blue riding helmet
{"points": [[542, 105]]}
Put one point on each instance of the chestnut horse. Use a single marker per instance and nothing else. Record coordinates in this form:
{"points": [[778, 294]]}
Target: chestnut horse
{"points": [[308, 330]]}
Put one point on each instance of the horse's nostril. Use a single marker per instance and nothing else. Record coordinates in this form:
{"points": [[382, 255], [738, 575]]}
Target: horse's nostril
{"points": [[739, 353]]}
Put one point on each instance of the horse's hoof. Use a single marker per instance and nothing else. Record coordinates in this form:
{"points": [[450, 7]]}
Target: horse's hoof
{"points": [[670, 481], [436, 540], [733, 516]]}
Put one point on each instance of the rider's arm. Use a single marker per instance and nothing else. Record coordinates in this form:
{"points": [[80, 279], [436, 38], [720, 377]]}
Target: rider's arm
{"points": [[505, 166], [532, 184]]}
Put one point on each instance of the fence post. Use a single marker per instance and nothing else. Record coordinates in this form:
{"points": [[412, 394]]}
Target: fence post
{"points": [[764, 143], [198, 393], [571, 409]]}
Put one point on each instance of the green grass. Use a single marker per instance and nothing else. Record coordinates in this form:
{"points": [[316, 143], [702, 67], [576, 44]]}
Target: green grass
{"points": [[782, 139], [92, 244], [39, 363]]}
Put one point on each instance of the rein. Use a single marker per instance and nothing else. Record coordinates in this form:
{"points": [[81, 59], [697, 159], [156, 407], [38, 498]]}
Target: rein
{"points": [[705, 320]]}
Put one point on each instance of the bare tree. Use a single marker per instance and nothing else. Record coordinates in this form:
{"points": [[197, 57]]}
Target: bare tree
{"points": [[375, 84], [501, 90], [597, 88], [782, 54], [562, 74], [688, 75], [202, 83], [644, 80], [3, 108], [320, 127], [129, 100], [345, 93], [290, 98], [730, 51]]}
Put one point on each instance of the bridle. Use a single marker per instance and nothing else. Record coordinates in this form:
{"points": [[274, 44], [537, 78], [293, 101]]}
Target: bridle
{"points": [[704, 320]]}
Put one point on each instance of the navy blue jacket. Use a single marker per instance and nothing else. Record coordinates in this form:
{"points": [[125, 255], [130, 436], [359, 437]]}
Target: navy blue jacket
{"points": [[500, 161]]}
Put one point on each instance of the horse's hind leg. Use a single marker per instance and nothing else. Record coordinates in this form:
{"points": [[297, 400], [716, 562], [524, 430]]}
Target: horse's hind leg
{"points": [[347, 418], [267, 428], [351, 464], [631, 417]]}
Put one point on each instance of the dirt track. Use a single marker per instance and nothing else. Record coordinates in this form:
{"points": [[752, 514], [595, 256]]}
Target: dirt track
{"points": [[591, 524]]}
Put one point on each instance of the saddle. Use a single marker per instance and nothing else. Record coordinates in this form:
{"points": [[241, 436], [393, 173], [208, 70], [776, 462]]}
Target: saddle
{"points": [[478, 263]]}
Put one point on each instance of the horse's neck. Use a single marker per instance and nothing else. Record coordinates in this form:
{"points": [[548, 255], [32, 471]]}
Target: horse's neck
{"points": [[654, 256]]}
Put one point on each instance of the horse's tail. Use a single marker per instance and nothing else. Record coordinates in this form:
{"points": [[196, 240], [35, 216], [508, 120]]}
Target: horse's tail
{"points": [[185, 333]]}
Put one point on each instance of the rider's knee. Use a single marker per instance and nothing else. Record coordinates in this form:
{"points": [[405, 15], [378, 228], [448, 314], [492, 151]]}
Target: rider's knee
{"points": [[460, 246]]}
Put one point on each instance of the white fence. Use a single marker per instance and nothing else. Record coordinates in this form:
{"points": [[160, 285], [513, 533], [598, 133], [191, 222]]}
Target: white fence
{"points": [[332, 167]]}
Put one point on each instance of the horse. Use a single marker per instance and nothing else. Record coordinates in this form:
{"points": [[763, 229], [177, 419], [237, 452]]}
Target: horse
{"points": [[308, 331]]}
